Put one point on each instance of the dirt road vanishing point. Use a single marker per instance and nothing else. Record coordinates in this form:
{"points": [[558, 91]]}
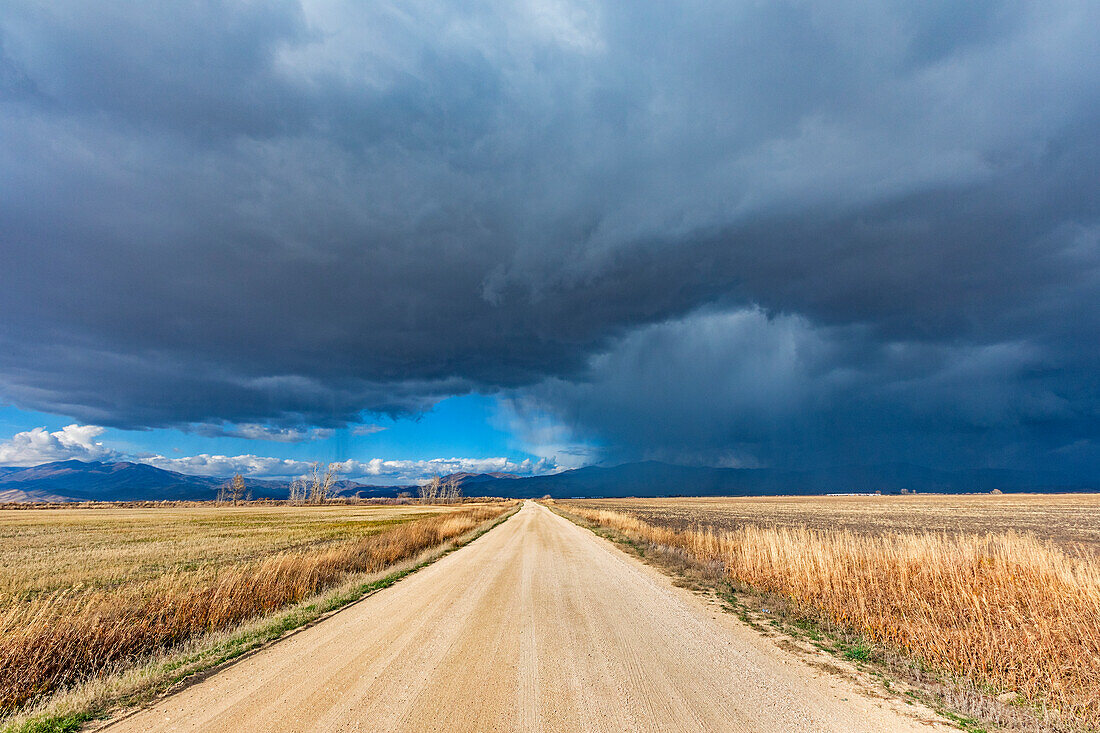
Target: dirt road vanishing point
{"points": [[539, 625]]}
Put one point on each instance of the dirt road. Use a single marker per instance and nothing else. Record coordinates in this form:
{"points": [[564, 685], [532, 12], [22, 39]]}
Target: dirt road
{"points": [[537, 626]]}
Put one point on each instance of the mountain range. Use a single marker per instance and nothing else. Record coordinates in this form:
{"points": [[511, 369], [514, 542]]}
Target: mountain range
{"points": [[651, 478], [68, 481], [118, 481]]}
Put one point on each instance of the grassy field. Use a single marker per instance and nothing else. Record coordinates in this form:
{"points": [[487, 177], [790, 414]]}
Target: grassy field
{"points": [[92, 591], [998, 591]]}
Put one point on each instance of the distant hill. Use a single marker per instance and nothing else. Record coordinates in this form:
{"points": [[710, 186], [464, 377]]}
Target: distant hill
{"points": [[118, 481], [125, 481], [652, 478], [470, 479]]}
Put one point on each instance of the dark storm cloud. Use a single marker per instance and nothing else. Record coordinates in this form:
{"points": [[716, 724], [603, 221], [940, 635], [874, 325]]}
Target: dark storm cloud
{"points": [[744, 389], [292, 213]]}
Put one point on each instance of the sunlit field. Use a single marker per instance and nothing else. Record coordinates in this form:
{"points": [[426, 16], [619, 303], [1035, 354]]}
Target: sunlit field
{"points": [[88, 591], [1000, 591], [61, 549]]}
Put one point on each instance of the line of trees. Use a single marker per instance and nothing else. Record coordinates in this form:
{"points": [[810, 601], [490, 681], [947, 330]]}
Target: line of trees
{"points": [[440, 490], [320, 486]]}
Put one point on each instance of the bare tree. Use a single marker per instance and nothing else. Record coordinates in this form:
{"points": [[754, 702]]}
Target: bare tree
{"points": [[429, 490], [238, 492], [298, 492], [233, 491], [320, 483], [452, 490]]}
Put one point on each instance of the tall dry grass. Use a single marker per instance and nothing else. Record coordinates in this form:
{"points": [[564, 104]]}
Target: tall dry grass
{"points": [[62, 638], [1004, 610]]}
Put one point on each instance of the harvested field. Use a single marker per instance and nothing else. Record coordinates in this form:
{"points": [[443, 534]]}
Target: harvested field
{"points": [[977, 599], [50, 550], [1071, 521], [89, 591]]}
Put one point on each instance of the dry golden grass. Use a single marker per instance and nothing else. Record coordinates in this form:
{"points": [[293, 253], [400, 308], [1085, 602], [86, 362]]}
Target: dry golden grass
{"points": [[104, 588], [1005, 610]]}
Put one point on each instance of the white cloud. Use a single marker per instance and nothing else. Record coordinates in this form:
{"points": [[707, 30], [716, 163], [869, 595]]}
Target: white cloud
{"points": [[377, 469], [206, 464], [420, 470], [38, 445], [543, 434], [258, 431], [367, 429]]}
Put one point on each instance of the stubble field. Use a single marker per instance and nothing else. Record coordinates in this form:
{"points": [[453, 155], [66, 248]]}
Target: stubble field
{"points": [[48, 550], [1072, 521]]}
